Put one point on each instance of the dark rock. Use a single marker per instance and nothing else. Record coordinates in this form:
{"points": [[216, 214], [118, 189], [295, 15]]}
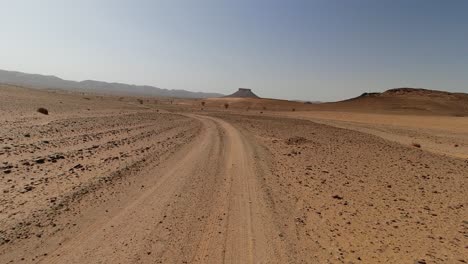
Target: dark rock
{"points": [[43, 111], [336, 196], [27, 188], [40, 161]]}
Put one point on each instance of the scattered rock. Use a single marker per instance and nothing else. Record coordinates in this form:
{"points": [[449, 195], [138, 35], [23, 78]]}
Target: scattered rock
{"points": [[40, 160], [296, 140], [27, 188], [43, 111]]}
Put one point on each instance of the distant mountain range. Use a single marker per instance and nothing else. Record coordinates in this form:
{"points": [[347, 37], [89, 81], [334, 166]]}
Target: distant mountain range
{"points": [[53, 82]]}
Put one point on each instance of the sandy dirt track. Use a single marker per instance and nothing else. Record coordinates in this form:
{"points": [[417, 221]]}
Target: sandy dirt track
{"points": [[203, 205], [237, 230]]}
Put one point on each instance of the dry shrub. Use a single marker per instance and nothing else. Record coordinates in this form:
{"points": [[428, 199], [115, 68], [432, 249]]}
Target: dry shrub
{"points": [[140, 101], [416, 145], [294, 109], [42, 110], [203, 103], [226, 105]]}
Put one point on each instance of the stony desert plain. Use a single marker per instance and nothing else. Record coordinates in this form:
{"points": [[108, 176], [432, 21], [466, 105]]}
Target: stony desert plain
{"points": [[122, 179]]}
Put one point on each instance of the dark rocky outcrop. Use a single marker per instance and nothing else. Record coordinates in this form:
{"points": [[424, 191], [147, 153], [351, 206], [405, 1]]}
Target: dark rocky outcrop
{"points": [[244, 93]]}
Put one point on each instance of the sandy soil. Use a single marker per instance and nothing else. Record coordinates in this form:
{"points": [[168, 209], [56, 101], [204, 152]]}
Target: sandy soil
{"points": [[105, 179], [447, 135]]}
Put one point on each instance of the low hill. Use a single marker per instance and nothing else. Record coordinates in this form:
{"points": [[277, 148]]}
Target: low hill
{"points": [[408, 101], [53, 82]]}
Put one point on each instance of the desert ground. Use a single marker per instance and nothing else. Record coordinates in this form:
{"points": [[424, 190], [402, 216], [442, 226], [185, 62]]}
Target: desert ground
{"points": [[121, 179]]}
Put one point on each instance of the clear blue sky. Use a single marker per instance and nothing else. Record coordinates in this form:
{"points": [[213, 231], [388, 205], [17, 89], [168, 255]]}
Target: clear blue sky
{"points": [[311, 50]]}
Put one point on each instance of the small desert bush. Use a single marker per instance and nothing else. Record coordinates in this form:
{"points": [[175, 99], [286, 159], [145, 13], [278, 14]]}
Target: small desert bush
{"points": [[203, 103], [294, 109], [416, 145], [226, 105], [42, 110], [140, 101]]}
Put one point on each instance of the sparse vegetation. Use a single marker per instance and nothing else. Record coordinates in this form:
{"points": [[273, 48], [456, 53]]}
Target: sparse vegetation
{"points": [[416, 145], [294, 109], [203, 103], [43, 111], [140, 101], [226, 105]]}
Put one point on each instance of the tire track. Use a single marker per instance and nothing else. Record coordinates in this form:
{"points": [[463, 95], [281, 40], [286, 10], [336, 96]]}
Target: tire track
{"points": [[203, 205]]}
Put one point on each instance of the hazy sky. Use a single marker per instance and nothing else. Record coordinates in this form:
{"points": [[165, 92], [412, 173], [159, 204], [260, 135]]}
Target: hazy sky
{"points": [[311, 50]]}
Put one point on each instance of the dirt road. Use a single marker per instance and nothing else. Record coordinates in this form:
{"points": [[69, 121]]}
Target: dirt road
{"points": [[111, 180], [202, 205]]}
